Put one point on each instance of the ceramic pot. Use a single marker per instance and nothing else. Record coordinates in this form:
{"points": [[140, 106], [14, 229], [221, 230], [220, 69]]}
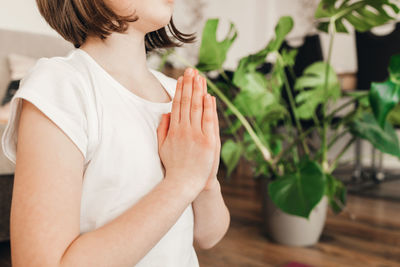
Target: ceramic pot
{"points": [[293, 230]]}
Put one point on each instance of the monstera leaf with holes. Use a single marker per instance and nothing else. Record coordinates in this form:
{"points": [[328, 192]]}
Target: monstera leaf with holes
{"points": [[212, 52], [363, 15], [313, 80]]}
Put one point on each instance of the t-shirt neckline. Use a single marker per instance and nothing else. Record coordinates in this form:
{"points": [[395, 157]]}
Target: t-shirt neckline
{"points": [[125, 90]]}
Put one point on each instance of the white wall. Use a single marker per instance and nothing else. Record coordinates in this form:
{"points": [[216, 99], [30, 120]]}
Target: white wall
{"points": [[23, 15], [250, 17]]}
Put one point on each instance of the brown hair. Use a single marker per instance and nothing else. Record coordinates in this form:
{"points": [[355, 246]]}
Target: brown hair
{"points": [[74, 20]]}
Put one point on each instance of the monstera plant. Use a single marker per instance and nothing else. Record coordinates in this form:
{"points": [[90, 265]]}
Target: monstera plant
{"points": [[266, 113]]}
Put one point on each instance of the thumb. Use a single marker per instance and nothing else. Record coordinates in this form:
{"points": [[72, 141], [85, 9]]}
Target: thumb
{"points": [[162, 129]]}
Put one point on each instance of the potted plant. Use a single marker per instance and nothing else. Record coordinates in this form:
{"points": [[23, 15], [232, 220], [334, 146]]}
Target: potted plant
{"points": [[296, 177]]}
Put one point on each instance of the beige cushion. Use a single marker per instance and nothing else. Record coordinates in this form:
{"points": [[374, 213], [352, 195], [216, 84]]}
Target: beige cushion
{"points": [[30, 45], [19, 65]]}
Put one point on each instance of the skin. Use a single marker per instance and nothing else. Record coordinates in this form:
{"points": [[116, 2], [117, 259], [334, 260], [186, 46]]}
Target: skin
{"points": [[45, 211]]}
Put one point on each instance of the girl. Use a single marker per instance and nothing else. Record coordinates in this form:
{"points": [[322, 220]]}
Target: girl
{"points": [[116, 163]]}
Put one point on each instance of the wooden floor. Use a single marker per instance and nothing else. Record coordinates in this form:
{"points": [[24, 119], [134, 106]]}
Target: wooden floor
{"points": [[366, 234]]}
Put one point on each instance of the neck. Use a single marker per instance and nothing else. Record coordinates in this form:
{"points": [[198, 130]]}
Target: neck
{"points": [[120, 53]]}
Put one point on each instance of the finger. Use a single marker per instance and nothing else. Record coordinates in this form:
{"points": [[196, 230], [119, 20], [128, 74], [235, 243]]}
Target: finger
{"points": [[208, 116], [216, 121], [186, 96], [217, 134], [205, 85], [196, 111], [162, 129], [176, 103], [196, 72]]}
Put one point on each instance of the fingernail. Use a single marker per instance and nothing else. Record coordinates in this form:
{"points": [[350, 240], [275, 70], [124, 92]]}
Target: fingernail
{"points": [[189, 71], [198, 78]]}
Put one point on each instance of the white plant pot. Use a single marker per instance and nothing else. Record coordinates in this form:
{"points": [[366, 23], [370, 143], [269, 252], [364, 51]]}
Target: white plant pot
{"points": [[293, 230]]}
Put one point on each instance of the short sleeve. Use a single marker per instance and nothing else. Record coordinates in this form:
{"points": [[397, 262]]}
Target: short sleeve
{"points": [[58, 91]]}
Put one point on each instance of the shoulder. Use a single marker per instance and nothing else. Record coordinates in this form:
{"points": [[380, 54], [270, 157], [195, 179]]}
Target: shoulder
{"points": [[55, 75], [54, 68]]}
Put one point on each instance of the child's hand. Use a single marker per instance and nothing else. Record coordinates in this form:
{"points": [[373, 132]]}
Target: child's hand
{"points": [[186, 138]]}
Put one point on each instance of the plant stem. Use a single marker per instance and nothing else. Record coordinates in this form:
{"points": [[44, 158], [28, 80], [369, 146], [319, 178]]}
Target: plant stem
{"points": [[325, 122], [345, 148], [337, 137], [332, 142], [332, 114], [228, 120], [253, 123], [293, 106], [289, 147], [265, 152], [223, 74]]}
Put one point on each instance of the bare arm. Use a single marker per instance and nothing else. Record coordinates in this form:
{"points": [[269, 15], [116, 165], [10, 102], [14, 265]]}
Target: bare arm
{"points": [[212, 217], [46, 204]]}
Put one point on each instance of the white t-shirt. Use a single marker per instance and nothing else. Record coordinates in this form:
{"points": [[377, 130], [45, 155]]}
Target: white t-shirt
{"points": [[115, 130]]}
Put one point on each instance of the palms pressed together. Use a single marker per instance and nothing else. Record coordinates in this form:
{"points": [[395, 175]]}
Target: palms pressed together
{"points": [[164, 127]]}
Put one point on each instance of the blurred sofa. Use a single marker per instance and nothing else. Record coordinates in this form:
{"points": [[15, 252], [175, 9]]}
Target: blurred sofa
{"points": [[31, 45]]}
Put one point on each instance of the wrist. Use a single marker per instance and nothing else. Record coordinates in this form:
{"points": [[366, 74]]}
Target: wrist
{"points": [[214, 186], [184, 187]]}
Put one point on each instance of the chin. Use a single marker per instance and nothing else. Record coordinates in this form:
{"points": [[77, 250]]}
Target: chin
{"points": [[154, 20], [153, 14], [147, 25]]}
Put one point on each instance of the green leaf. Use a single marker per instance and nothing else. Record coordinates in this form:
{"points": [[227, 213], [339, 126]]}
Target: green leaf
{"points": [[363, 15], [363, 98], [314, 78], [212, 53], [253, 103], [394, 69], [282, 29], [255, 82], [383, 97], [298, 193], [394, 116], [336, 192], [250, 63], [234, 127], [289, 57], [230, 154], [385, 139], [276, 146]]}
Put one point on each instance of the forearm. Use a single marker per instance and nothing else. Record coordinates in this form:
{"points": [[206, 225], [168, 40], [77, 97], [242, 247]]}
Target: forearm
{"points": [[212, 217], [128, 238]]}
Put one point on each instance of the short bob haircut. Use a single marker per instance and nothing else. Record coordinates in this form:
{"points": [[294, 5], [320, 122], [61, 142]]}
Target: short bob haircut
{"points": [[74, 20]]}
